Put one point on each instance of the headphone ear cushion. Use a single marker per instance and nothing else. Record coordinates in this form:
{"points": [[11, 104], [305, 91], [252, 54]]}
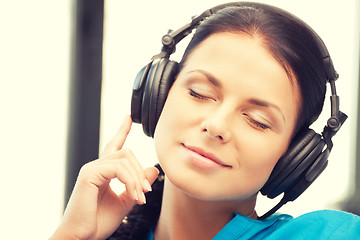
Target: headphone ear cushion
{"points": [[160, 77], [302, 152], [161, 91], [138, 93], [153, 73]]}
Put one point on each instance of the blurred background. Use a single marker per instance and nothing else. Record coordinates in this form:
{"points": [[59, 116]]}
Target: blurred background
{"points": [[46, 88]]}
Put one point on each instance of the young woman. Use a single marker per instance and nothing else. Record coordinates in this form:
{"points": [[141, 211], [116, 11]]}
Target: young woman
{"points": [[252, 79]]}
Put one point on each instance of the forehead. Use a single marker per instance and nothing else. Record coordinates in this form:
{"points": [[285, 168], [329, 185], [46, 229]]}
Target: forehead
{"points": [[237, 48]]}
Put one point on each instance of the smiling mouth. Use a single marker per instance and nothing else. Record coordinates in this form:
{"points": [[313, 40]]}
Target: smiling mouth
{"points": [[204, 159]]}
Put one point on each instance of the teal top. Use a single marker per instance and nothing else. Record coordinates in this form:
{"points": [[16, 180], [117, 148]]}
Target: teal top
{"points": [[325, 224]]}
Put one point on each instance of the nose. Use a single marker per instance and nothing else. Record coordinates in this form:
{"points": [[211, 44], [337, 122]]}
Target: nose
{"points": [[217, 126]]}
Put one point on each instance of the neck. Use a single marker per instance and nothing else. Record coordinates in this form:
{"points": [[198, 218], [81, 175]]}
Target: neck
{"points": [[184, 217]]}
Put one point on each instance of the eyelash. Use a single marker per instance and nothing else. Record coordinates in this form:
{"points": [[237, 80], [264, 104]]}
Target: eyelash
{"points": [[257, 124], [197, 95]]}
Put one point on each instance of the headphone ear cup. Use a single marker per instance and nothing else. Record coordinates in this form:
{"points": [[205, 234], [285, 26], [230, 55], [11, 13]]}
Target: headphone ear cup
{"points": [[308, 177], [160, 91], [138, 93], [302, 153], [160, 75]]}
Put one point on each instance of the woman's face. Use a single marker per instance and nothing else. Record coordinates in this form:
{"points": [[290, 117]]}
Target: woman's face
{"points": [[228, 118]]}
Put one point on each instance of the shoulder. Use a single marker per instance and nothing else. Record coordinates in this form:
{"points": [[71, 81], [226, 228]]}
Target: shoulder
{"points": [[324, 224], [329, 218]]}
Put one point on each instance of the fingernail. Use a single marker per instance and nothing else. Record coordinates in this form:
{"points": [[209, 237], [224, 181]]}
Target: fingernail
{"points": [[147, 185], [143, 198], [135, 195]]}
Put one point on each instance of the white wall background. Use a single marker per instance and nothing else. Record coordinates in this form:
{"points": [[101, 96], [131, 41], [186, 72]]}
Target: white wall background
{"points": [[34, 63], [34, 72]]}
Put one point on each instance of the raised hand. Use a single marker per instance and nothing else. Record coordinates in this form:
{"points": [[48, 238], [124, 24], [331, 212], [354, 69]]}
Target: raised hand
{"points": [[94, 211]]}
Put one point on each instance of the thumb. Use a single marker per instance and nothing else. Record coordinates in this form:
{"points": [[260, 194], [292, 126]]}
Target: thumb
{"points": [[151, 174]]}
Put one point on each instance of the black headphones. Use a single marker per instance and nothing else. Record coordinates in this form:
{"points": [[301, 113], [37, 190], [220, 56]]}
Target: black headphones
{"points": [[307, 155]]}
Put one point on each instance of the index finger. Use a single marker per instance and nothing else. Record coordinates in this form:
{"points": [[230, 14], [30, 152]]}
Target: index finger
{"points": [[117, 142]]}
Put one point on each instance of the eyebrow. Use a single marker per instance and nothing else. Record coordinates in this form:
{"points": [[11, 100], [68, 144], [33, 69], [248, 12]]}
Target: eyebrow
{"points": [[213, 80], [262, 103]]}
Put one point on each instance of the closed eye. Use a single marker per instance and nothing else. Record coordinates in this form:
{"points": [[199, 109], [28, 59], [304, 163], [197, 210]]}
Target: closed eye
{"points": [[257, 124], [197, 95]]}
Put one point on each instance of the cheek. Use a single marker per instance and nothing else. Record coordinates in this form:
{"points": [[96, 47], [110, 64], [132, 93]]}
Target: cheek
{"points": [[169, 124], [266, 152], [168, 117], [260, 168], [259, 158]]}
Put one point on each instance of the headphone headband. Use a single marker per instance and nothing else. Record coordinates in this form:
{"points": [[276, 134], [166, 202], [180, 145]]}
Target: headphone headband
{"points": [[170, 40]]}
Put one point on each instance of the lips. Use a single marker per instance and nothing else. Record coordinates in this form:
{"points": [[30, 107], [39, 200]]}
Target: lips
{"points": [[209, 156]]}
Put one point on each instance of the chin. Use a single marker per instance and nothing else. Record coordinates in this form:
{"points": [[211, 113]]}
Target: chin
{"points": [[201, 189]]}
